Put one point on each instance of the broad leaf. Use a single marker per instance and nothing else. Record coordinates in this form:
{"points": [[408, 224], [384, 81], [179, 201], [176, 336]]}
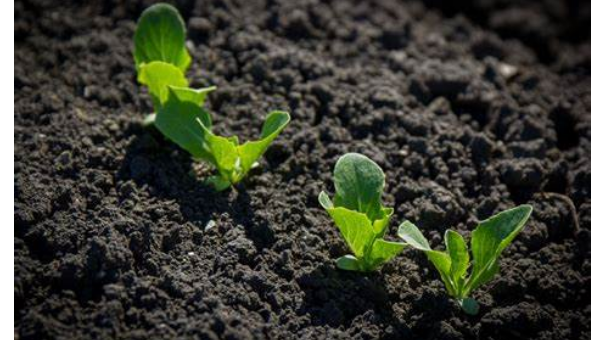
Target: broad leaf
{"points": [[383, 251], [484, 277], [381, 224], [177, 120], [412, 236], [355, 227], [158, 76], [160, 36], [442, 262], [197, 96], [491, 237], [458, 252], [359, 183], [223, 152], [250, 152]]}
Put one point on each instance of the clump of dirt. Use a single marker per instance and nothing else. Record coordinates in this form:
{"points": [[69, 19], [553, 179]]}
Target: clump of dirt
{"points": [[117, 237]]}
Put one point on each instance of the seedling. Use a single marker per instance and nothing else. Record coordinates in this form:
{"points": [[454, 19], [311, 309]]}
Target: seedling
{"points": [[161, 60], [358, 213], [186, 123], [488, 241]]}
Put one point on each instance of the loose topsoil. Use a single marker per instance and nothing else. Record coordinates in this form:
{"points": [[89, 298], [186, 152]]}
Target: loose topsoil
{"points": [[469, 110]]}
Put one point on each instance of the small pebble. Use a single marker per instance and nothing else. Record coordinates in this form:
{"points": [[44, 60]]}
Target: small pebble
{"points": [[507, 71]]}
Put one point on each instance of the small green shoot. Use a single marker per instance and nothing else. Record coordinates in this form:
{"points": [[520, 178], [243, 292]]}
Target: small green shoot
{"points": [[488, 241], [161, 60], [182, 120], [358, 213]]}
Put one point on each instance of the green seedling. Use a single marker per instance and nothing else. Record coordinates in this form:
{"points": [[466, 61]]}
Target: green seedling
{"points": [[358, 213], [161, 60], [187, 124], [488, 241]]}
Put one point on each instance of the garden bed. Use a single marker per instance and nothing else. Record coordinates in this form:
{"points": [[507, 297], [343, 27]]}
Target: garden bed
{"points": [[117, 236]]}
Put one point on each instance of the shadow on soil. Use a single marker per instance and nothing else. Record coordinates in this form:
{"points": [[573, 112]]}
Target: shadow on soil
{"points": [[335, 297], [168, 173]]}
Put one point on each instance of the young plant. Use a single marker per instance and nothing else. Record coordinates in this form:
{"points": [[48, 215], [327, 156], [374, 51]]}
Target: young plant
{"points": [[358, 213], [488, 241], [187, 124], [161, 60]]}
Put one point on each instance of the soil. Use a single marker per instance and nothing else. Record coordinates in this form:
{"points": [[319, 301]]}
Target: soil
{"points": [[469, 110]]}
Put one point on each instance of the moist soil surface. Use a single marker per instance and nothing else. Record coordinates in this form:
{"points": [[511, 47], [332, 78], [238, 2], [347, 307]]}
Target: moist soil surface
{"points": [[469, 111]]}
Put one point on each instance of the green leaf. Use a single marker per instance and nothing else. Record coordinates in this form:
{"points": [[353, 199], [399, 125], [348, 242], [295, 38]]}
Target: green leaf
{"points": [[160, 36], [197, 96], [484, 277], [325, 201], [458, 252], [359, 183], [222, 151], [381, 224], [355, 227], [177, 120], [489, 240], [443, 264], [250, 152], [383, 251], [442, 261], [348, 262], [412, 236], [218, 182], [157, 76]]}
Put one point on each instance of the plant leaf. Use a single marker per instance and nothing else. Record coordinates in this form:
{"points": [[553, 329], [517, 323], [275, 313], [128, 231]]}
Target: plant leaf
{"points": [[177, 120], [250, 152], [348, 262], [383, 251], [381, 224], [412, 236], [442, 261], [197, 96], [355, 227], [325, 201], [222, 151], [458, 252], [160, 36], [157, 76], [359, 183], [218, 182], [489, 240], [485, 276]]}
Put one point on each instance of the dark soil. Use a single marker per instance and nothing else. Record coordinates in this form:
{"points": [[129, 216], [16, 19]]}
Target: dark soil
{"points": [[468, 110]]}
